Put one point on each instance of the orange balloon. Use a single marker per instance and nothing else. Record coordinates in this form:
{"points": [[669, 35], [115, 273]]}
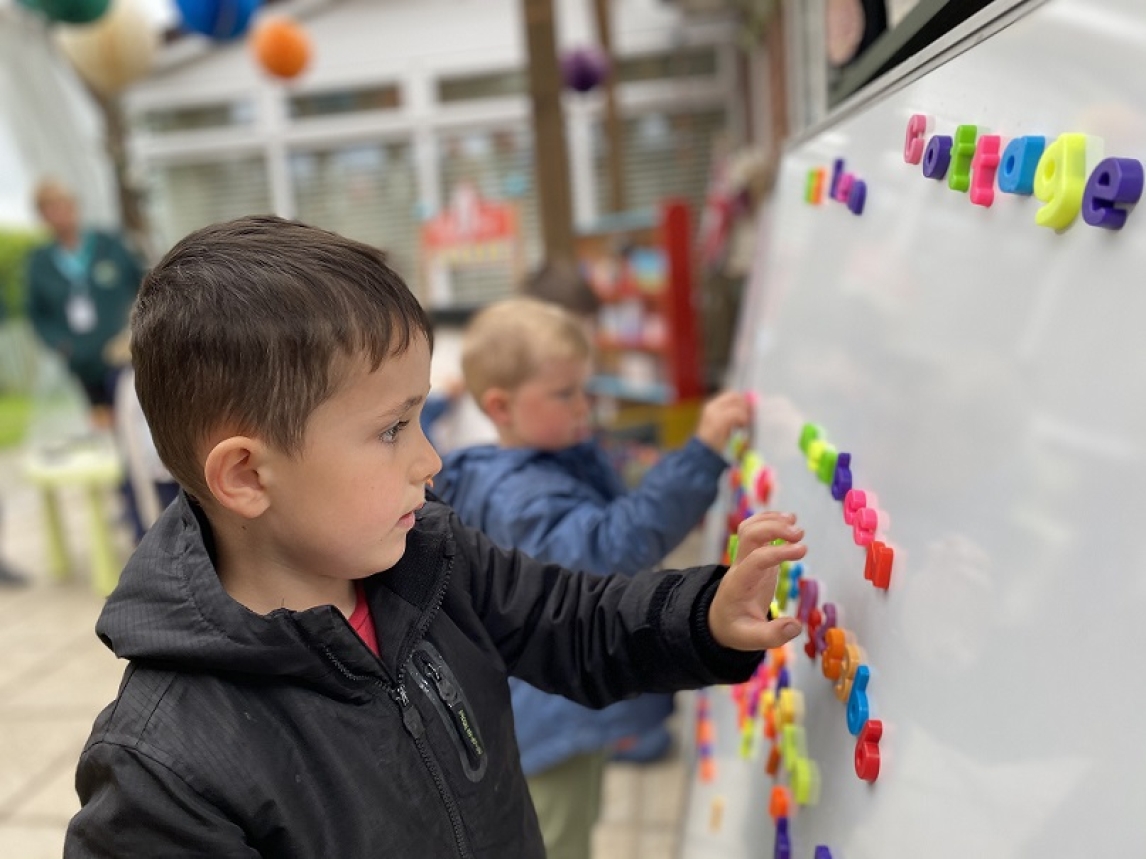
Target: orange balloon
{"points": [[281, 46]]}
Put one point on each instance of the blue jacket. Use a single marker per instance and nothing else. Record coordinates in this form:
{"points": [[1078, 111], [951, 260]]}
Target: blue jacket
{"points": [[571, 508]]}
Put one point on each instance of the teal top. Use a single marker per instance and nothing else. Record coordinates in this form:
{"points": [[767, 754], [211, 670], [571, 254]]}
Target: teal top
{"points": [[103, 276]]}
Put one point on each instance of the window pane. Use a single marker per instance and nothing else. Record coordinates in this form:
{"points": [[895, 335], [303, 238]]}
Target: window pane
{"points": [[185, 197], [493, 85], [686, 63], [500, 165], [386, 97], [366, 192], [666, 154], [198, 117]]}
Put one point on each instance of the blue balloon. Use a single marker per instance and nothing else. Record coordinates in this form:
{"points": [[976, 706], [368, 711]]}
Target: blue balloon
{"points": [[218, 19]]}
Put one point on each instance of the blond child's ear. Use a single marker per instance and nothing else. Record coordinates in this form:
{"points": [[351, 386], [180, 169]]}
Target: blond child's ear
{"points": [[495, 402], [232, 472]]}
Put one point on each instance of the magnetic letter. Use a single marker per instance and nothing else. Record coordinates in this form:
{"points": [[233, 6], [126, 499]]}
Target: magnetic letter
{"points": [[959, 177], [983, 167], [937, 157], [1020, 159], [1060, 180], [913, 145], [1114, 184]]}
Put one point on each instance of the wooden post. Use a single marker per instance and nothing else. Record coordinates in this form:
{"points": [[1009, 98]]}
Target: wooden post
{"points": [[615, 153], [554, 199]]}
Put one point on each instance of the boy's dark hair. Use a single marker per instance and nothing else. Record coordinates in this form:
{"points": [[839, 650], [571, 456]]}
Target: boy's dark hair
{"points": [[562, 283], [252, 324]]}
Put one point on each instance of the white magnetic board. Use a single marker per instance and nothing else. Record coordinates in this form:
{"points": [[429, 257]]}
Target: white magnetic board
{"points": [[988, 377]]}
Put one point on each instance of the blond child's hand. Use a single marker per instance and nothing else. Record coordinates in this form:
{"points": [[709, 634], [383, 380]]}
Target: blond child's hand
{"points": [[721, 416], [738, 616]]}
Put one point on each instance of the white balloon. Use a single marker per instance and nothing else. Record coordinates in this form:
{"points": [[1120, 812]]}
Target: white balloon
{"points": [[114, 51]]}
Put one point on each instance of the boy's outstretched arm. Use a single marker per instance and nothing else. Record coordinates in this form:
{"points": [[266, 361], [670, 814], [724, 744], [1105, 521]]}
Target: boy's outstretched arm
{"points": [[597, 640], [738, 617]]}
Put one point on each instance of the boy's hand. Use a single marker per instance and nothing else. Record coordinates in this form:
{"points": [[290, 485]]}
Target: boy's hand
{"points": [[738, 616], [721, 415]]}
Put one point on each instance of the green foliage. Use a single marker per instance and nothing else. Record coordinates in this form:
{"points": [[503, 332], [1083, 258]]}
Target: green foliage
{"points": [[15, 244]]}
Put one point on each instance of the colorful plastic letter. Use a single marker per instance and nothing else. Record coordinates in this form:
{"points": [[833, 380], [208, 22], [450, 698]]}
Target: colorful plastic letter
{"points": [[822, 852], [791, 707], [877, 569], [830, 620], [863, 526], [1020, 160], [837, 174], [763, 485], [845, 187], [835, 651], [867, 750], [809, 598], [913, 144], [983, 167], [826, 463], [797, 573], [937, 157], [842, 479], [854, 501], [772, 767], [808, 434], [814, 620], [1114, 184], [783, 849], [1060, 180], [806, 781], [784, 584], [730, 552], [814, 189], [779, 802], [793, 745], [853, 658], [959, 176], [857, 197], [857, 701]]}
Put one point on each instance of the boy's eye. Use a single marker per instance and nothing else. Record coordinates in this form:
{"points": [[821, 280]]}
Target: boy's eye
{"points": [[391, 435]]}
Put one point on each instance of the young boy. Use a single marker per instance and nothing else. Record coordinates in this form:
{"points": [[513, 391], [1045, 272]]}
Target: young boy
{"points": [[318, 656], [547, 490]]}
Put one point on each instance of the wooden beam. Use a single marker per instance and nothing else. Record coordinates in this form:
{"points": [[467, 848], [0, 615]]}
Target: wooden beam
{"points": [[551, 159], [615, 142]]}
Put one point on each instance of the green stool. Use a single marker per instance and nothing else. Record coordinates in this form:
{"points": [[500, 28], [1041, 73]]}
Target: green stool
{"points": [[93, 464]]}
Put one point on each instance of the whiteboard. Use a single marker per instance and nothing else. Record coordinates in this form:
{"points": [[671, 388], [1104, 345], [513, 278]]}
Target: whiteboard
{"points": [[988, 377]]}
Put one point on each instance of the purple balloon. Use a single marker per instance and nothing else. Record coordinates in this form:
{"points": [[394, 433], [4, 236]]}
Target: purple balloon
{"points": [[583, 69]]}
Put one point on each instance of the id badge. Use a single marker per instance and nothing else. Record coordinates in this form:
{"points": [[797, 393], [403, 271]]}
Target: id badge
{"points": [[81, 312]]}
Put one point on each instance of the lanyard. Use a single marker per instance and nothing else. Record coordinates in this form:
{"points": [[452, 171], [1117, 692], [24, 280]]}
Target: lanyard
{"points": [[74, 266]]}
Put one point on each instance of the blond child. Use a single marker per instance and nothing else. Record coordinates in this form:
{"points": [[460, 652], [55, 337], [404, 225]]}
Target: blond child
{"points": [[547, 489]]}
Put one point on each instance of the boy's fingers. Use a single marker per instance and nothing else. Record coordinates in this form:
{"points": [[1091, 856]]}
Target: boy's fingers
{"points": [[772, 634], [764, 528]]}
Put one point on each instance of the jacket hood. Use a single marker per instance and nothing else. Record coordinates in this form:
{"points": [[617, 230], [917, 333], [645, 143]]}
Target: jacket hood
{"points": [[171, 609]]}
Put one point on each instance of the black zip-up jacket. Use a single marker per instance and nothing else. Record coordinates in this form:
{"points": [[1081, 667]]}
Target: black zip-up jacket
{"points": [[241, 735]]}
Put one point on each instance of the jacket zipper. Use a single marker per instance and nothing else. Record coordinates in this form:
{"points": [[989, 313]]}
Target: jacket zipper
{"points": [[455, 706], [411, 719], [414, 727]]}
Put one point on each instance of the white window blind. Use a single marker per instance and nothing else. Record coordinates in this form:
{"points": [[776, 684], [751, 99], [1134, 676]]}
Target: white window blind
{"points": [[666, 154], [185, 197], [500, 163], [366, 192]]}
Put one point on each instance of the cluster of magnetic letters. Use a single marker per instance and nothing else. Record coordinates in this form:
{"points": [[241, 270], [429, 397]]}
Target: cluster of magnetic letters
{"points": [[976, 163], [768, 694]]}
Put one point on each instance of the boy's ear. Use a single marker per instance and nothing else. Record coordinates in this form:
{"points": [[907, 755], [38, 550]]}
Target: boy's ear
{"points": [[232, 475], [495, 403]]}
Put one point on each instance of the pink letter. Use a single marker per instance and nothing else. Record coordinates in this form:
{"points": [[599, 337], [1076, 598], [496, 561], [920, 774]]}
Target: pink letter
{"points": [[983, 166], [913, 145]]}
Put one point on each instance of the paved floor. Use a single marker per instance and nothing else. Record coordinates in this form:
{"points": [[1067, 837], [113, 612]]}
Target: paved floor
{"points": [[55, 676]]}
